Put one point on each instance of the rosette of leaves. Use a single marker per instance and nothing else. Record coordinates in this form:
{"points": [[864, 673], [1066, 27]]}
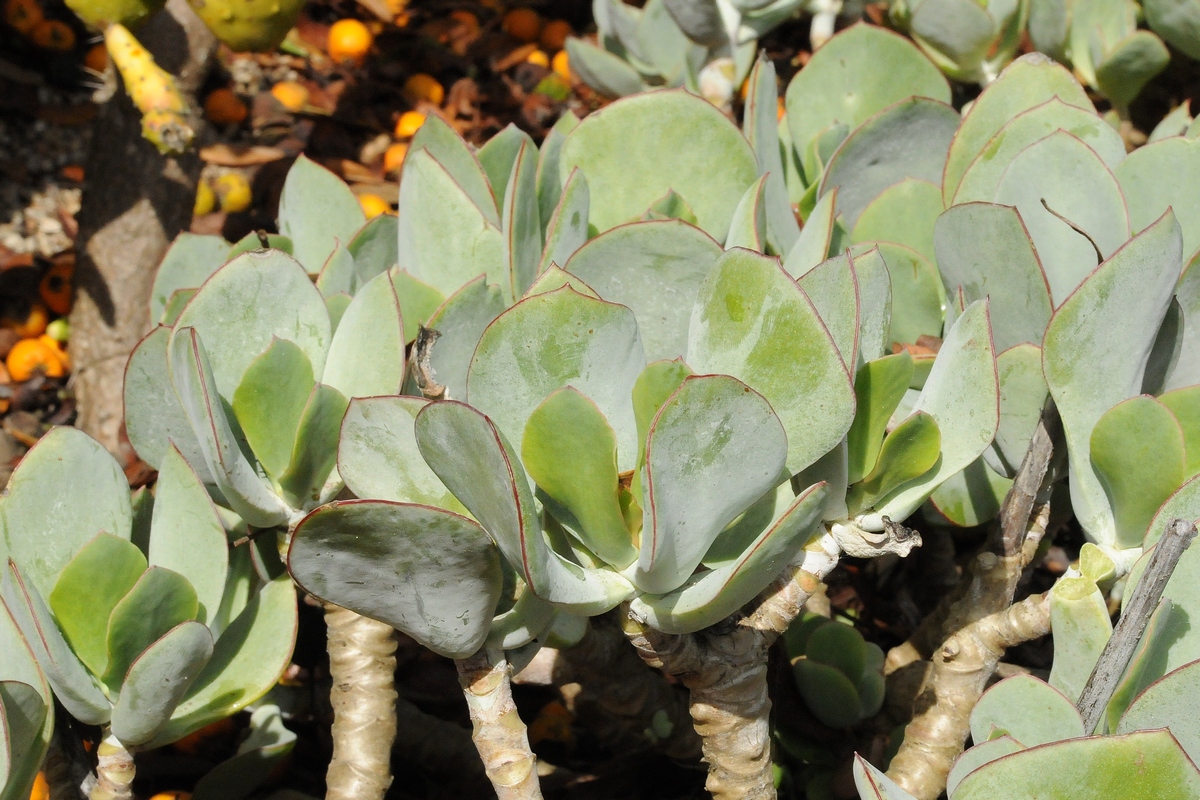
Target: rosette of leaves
{"points": [[26, 711], [969, 41], [707, 46], [135, 610], [1102, 43], [838, 673]]}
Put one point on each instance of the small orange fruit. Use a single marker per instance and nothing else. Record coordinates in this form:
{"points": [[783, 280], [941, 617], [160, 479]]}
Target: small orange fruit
{"points": [[34, 324], [55, 288], [174, 794], [349, 41], [292, 95], [223, 107], [41, 788], [424, 87], [467, 19], [58, 348], [23, 15], [555, 34], [561, 65], [408, 124], [538, 57], [393, 158], [30, 356], [373, 205], [97, 58], [51, 34], [523, 24]]}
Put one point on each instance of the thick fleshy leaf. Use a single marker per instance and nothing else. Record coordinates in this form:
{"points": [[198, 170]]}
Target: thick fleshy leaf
{"points": [[444, 238], [157, 680], [430, 573], [985, 251], [1130, 65], [269, 402], [962, 395], [251, 241], [1022, 397], [252, 300], [1096, 348], [188, 262], [556, 278], [461, 320], [813, 245], [1147, 764], [1186, 371], [499, 155], [636, 149], [916, 292], [1153, 178], [1030, 710], [42, 530], [700, 21], [714, 448], [879, 387], [906, 140], [654, 267], [874, 784], [160, 600], [527, 619], [1028, 82], [88, 590], [23, 740], [832, 287], [378, 456], [73, 685], [316, 210], [247, 660], [1060, 175], [971, 497], [754, 322], [551, 340], [247, 493], [315, 453], [520, 223], [570, 451], [654, 386], [874, 305], [748, 228], [854, 75], [452, 152], [263, 750], [957, 35], [603, 71], [366, 356], [1185, 405], [1137, 451], [418, 302], [760, 125], [374, 248], [336, 305], [712, 596], [1081, 625], [1168, 703], [338, 275], [979, 754], [567, 228], [549, 181], [903, 213], [1178, 23], [472, 458], [828, 693], [187, 536], [908, 452]]}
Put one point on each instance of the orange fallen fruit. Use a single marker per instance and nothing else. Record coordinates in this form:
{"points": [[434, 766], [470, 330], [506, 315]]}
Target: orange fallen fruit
{"points": [[424, 87], [31, 356], [51, 34], [523, 24], [373, 205], [23, 15], [292, 95], [393, 158], [538, 57], [349, 41], [408, 124], [223, 107], [555, 34], [41, 789], [34, 324], [561, 65]]}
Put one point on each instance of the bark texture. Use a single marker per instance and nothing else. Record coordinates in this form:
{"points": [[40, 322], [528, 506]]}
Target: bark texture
{"points": [[362, 663], [114, 771], [135, 202], [500, 735]]}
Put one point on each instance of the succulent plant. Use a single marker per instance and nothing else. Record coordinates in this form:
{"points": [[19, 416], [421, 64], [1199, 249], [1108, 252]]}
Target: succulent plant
{"points": [[142, 620], [838, 673], [26, 711], [970, 42]]}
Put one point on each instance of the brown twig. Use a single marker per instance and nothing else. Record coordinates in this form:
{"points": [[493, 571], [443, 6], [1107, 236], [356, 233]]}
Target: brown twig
{"points": [[422, 371], [1134, 617]]}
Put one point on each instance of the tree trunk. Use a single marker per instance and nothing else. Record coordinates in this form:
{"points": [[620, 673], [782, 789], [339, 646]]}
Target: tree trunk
{"points": [[135, 202]]}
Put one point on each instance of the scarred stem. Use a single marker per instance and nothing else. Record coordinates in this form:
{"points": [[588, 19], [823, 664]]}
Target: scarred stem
{"points": [[1134, 618], [114, 770], [362, 662], [499, 735]]}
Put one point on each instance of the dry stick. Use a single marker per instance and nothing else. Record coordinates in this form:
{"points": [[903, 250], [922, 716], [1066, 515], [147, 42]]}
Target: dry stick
{"points": [[1136, 615], [362, 663], [725, 669], [962, 666], [499, 735]]}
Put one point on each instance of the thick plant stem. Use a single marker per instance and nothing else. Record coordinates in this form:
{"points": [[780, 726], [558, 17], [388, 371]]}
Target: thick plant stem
{"points": [[725, 669], [362, 663], [500, 735], [114, 771]]}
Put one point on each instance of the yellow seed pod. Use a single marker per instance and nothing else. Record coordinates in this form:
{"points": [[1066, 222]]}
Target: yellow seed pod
{"points": [[164, 111]]}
